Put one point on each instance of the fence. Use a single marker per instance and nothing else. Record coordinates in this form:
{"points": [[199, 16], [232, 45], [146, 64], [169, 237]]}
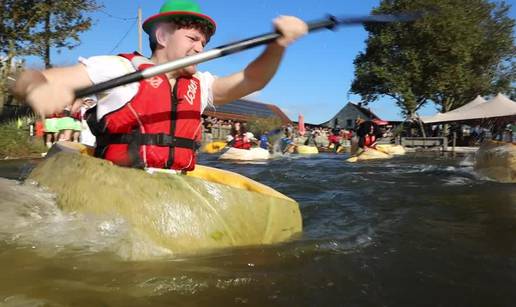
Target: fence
{"points": [[425, 142], [12, 112], [217, 133]]}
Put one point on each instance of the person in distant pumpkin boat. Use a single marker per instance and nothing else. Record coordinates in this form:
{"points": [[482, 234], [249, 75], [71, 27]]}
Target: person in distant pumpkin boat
{"points": [[368, 133], [239, 137], [155, 123]]}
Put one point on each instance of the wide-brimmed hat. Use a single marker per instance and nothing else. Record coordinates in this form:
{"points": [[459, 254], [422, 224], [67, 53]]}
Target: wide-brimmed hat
{"points": [[172, 9]]}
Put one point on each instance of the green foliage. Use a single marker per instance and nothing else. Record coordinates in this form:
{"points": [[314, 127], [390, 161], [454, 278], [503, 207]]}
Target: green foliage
{"points": [[16, 142], [259, 125], [31, 27], [17, 18], [61, 24], [460, 49]]}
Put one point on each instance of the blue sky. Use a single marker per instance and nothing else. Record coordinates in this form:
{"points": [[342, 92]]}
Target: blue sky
{"points": [[315, 75]]}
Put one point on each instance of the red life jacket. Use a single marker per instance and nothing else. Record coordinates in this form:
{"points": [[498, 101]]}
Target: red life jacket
{"points": [[76, 115], [157, 128], [40, 129], [369, 140], [240, 142], [334, 139], [55, 115]]}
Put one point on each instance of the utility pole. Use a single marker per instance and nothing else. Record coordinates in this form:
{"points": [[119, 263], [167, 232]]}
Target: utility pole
{"points": [[48, 34], [140, 30]]}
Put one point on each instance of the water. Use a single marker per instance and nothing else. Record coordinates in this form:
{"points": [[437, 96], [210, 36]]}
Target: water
{"points": [[418, 230]]}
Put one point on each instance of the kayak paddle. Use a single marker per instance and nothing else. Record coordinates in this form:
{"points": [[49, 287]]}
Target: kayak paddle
{"points": [[331, 22]]}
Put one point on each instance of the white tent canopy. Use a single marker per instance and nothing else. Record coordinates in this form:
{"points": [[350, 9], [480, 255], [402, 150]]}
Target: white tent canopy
{"points": [[499, 106], [440, 117]]}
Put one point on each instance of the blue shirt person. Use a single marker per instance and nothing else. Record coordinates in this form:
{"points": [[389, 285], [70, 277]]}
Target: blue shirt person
{"points": [[264, 141]]}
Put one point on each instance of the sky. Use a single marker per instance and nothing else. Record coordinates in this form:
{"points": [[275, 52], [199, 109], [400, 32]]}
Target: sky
{"points": [[314, 78]]}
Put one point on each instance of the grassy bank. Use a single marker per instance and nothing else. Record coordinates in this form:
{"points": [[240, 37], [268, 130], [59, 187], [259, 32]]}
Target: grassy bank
{"points": [[15, 141]]}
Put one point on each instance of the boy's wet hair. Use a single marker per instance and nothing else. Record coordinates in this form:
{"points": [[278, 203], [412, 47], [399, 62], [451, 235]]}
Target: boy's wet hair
{"points": [[185, 23]]}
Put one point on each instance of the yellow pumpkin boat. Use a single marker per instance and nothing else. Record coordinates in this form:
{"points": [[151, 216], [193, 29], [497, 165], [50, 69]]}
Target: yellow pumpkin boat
{"points": [[214, 147], [497, 161], [306, 150], [207, 208]]}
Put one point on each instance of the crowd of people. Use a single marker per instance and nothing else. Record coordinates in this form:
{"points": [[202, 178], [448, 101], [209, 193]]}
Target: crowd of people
{"points": [[504, 132], [364, 134], [473, 135], [288, 137], [65, 126], [211, 122]]}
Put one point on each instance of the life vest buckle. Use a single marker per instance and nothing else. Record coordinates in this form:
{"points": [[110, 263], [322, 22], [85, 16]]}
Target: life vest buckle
{"points": [[163, 139]]}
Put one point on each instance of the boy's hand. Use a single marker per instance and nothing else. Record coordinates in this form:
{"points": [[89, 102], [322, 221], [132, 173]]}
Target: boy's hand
{"points": [[291, 28]]}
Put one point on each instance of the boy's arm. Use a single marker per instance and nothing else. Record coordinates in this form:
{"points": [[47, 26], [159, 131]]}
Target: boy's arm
{"points": [[51, 90]]}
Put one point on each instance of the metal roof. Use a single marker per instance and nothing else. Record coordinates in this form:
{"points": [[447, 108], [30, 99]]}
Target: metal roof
{"points": [[243, 109]]}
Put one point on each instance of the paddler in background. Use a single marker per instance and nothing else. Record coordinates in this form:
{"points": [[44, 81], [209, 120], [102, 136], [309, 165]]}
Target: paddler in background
{"points": [[239, 137], [334, 140], [264, 141], [287, 144], [367, 134], [132, 132]]}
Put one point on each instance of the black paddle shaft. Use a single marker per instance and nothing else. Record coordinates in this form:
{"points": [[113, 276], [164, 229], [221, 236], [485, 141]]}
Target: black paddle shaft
{"points": [[331, 22]]}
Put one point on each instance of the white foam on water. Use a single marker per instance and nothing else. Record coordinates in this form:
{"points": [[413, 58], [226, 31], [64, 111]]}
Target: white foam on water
{"points": [[30, 218], [457, 181], [22, 300], [184, 285], [187, 285], [428, 168], [469, 160], [278, 155]]}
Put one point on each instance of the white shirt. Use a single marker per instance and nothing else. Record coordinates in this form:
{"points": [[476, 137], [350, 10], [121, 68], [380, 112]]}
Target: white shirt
{"points": [[250, 136], [103, 68], [87, 138]]}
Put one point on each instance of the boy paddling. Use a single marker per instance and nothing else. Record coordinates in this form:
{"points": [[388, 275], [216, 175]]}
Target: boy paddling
{"points": [[156, 122]]}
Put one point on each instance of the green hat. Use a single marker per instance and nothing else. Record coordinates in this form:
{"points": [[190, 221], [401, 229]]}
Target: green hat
{"points": [[178, 9]]}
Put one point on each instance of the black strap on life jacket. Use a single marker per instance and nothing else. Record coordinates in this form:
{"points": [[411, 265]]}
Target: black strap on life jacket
{"points": [[97, 128], [157, 139], [173, 120]]}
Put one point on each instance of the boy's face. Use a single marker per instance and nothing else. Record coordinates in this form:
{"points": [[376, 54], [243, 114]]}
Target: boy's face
{"points": [[185, 42]]}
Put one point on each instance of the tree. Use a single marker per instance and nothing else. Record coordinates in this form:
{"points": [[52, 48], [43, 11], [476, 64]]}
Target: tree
{"points": [[18, 17], [459, 49], [33, 27], [259, 125], [60, 24]]}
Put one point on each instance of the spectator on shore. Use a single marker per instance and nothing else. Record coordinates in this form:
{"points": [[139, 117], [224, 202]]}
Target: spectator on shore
{"points": [[51, 130], [507, 134]]}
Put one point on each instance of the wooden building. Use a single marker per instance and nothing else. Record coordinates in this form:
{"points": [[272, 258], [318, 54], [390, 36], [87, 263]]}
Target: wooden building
{"points": [[346, 117], [245, 109]]}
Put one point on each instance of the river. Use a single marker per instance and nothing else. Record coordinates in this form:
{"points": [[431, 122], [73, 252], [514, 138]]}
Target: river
{"points": [[417, 230]]}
